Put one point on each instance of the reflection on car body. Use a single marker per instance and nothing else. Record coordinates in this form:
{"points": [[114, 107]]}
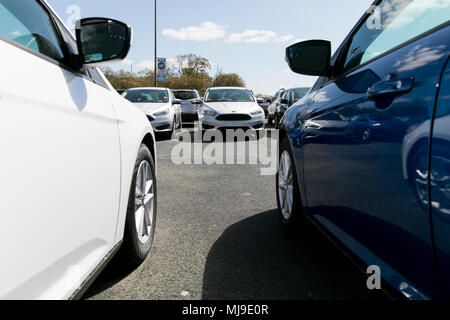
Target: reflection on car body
{"points": [[376, 89]]}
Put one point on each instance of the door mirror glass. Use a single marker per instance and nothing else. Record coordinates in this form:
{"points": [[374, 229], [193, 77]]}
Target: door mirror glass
{"points": [[310, 57], [102, 41]]}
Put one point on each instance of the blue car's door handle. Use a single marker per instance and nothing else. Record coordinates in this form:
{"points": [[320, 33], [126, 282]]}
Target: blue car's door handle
{"points": [[390, 86]]}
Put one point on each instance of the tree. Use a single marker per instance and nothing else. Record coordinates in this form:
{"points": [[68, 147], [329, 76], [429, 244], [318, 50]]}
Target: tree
{"points": [[189, 72], [228, 80], [192, 62]]}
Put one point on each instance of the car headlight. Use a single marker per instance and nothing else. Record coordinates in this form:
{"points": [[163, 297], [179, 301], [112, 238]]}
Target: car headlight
{"points": [[255, 113], [161, 114], [209, 113]]}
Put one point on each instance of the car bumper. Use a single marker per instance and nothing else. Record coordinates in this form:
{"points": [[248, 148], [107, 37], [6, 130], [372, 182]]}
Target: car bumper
{"points": [[213, 124], [161, 124]]}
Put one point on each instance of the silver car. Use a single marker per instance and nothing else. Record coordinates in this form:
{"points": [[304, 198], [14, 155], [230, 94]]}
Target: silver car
{"points": [[230, 108], [160, 107], [190, 102]]}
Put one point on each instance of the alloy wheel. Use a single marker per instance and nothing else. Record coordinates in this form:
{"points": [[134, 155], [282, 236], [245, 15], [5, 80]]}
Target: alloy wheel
{"points": [[144, 202], [286, 185]]}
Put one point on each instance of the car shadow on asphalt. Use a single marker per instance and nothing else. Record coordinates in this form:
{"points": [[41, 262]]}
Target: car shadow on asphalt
{"points": [[260, 259], [113, 273]]}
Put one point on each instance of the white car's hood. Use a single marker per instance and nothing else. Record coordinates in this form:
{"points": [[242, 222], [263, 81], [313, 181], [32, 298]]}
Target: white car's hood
{"points": [[151, 108], [233, 107]]}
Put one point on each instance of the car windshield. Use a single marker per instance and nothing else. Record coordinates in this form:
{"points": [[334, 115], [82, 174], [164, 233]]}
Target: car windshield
{"points": [[147, 96], [229, 95], [186, 95]]}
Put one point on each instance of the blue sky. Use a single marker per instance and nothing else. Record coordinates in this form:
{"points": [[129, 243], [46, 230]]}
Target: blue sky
{"points": [[248, 37]]}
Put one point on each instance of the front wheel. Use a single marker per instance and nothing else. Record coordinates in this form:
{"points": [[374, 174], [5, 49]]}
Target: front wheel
{"points": [[141, 213], [288, 194]]}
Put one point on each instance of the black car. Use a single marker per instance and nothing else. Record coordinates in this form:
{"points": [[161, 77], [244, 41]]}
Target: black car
{"points": [[288, 98], [272, 109], [190, 101], [264, 102]]}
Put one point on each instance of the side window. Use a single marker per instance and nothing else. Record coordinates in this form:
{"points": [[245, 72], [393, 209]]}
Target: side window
{"points": [[27, 23], [319, 83], [95, 75], [392, 23]]}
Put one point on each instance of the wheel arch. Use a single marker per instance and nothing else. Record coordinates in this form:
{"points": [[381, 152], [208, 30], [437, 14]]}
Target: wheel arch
{"points": [[422, 142], [149, 142], [298, 163]]}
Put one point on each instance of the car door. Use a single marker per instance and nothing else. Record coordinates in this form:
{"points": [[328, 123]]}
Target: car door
{"points": [[60, 172], [356, 187], [439, 177]]}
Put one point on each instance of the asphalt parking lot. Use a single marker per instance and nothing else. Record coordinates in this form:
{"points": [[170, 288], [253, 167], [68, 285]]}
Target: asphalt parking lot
{"points": [[218, 236]]}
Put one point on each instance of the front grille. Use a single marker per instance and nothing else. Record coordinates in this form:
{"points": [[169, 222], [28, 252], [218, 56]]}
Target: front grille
{"points": [[234, 117]]}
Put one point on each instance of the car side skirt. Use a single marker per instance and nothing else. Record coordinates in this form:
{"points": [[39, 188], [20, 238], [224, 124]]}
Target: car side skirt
{"points": [[78, 294]]}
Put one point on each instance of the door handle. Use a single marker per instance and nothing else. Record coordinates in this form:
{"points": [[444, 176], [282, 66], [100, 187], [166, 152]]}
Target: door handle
{"points": [[390, 86]]}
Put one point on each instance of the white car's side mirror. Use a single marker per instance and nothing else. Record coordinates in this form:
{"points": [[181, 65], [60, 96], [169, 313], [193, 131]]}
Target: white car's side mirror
{"points": [[102, 41]]}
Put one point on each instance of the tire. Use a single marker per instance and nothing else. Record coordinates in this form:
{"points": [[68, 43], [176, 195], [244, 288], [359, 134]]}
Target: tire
{"points": [[168, 135], [296, 211], [136, 247]]}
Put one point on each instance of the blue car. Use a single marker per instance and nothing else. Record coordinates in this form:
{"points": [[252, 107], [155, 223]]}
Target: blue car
{"points": [[382, 196]]}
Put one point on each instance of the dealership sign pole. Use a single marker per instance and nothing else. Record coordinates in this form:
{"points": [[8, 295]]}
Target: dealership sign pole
{"points": [[162, 70]]}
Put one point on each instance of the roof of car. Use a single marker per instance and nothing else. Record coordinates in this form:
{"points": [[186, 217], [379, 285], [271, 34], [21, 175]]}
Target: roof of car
{"points": [[148, 88], [184, 90], [221, 88]]}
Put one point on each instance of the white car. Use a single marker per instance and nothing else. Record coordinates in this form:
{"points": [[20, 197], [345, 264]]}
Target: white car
{"points": [[160, 107], [230, 108], [77, 174]]}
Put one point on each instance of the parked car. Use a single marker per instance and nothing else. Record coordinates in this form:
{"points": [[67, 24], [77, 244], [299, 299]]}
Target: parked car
{"points": [[120, 91], [190, 102], [88, 155], [160, 106], [356, 190], [272, 109], [264, 102], [328, 126], [287, 99], [230, 108], [376, 126]]}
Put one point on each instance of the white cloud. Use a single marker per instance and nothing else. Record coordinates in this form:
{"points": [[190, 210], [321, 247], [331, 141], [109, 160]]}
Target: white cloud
{"points": [[258, 36], [205, 32], [146, 64], [403, 12], [419, 57], [252, 36], [208, 31], [285, 38], [15, 33], [127, 62]]}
